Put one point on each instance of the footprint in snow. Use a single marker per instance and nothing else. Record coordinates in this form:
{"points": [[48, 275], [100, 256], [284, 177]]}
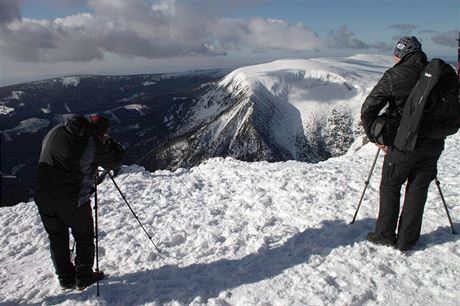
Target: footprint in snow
{"points": [[175, 240]]}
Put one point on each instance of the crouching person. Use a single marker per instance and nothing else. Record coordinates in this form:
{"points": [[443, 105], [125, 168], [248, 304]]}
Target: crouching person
{"points": [[66, 172]]}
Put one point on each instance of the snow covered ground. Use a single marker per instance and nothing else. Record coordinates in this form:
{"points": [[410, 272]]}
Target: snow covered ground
{"points": [[236, 233]]}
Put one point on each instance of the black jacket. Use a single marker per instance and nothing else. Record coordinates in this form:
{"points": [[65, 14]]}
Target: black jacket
{"points": [[393, 89], [69, 159]]}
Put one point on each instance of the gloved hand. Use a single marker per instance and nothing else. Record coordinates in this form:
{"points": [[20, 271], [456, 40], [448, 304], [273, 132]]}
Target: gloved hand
{"points": [[115, 146]]}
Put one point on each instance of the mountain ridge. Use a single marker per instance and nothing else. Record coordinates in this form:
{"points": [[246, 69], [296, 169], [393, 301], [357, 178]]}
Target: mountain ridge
{"points": [[295, 109], [298, 109]]}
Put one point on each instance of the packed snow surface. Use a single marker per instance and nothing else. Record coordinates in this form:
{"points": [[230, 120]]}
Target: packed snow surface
{"points": [[237, 233]]}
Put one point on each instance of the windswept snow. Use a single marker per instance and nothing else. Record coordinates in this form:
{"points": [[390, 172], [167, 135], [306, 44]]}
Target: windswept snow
{"points": [[138, 107], [133, 97], [47, 109], [237, 233], [16, 95], [30, 126], [70, 81], [5, 110]]}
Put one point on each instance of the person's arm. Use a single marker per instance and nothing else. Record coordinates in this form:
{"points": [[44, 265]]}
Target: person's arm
{"points": [[109, 155], [375, 102]]}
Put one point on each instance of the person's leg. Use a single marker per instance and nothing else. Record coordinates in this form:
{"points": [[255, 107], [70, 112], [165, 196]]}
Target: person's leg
{"points": [[81, 224], [410, 223], [396, 168], [58, 234]]}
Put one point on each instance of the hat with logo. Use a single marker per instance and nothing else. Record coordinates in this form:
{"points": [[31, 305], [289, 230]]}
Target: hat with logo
{"points": [[407, 45]]}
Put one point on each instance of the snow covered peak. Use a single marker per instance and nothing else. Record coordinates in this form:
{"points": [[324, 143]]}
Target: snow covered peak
{"points": [[336, 70], [307, 108]]}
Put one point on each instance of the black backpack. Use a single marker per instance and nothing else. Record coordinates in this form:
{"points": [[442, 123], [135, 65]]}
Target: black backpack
{"points": [[432, 109]]}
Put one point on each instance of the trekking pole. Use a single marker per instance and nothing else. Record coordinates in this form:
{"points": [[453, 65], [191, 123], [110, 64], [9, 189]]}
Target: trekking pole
{"points": [[132, 211], [99, 180], [458, 55], [438, 183], [365, 187], [72, 249], [96, 233]]}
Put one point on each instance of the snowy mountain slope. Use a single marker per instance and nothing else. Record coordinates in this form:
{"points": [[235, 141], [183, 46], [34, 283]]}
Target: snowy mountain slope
{"points": [[304, 110], [137, 105], [237, 233]]}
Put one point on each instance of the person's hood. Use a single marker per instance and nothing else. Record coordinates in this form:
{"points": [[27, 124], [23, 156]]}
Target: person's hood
{"points": [[79, 126], [415, 57]]}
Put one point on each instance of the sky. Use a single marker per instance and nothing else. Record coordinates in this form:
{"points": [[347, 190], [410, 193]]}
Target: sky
{"points": [[47, 38]]}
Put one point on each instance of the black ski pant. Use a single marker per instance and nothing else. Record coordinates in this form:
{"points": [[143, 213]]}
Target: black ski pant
{"points": [[58, 214], [418, 168]]}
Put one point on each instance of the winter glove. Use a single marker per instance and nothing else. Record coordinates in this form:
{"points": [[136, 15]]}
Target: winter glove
{"points": [[116, 147], [110, 155]]}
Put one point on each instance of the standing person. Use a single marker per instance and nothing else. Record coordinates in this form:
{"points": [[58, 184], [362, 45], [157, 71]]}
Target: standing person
{"points": [[70, 156], [418, 167]]}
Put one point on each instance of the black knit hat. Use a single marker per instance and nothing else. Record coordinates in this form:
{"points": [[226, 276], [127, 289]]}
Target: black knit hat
{"points": [[407, 45], [100, 122]]}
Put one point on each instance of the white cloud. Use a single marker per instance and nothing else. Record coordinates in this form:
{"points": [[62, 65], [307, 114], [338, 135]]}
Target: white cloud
{"points": [[131, 28], [263, 34], [382, 46], [9, 11], [343, 38], [404, 27], [448, 38]]}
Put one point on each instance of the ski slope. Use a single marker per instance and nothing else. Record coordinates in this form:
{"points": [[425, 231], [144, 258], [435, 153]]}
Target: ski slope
{"points": [[237, 233]]}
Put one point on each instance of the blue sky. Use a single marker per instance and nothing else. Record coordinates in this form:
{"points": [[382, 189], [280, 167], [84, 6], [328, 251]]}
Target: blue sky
{"points": [[51, 37]]}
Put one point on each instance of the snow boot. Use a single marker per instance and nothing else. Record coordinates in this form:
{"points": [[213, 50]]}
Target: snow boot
{"points": [[375, 238], [67, 278], [67, 283], [82, 283], [403, 247]]}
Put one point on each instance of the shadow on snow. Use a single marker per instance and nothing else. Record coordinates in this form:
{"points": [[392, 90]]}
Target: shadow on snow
{"points": [[208, 280]]}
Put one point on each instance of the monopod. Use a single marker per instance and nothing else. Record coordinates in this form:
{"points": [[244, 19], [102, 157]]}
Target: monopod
{"points": [[96, 233]]}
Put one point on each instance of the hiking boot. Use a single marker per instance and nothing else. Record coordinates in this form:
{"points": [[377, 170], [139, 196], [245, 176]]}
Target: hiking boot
{"points": [[377, 239], [67, 283], [83, 282], [403, 247]]}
